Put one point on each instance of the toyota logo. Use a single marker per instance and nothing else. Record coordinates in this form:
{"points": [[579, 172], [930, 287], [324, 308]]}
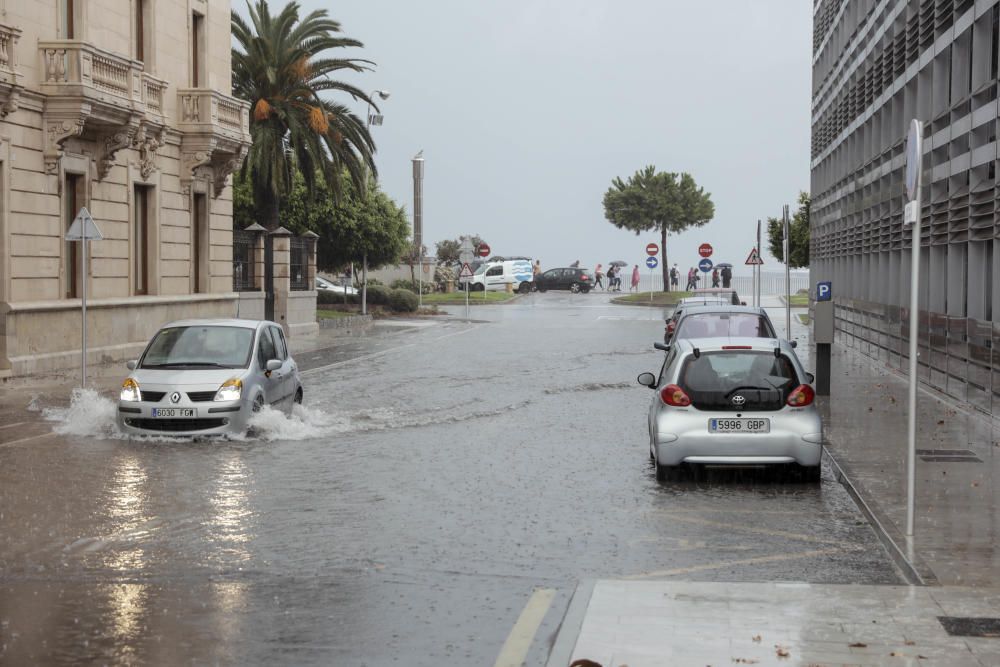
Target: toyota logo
{"points": [[175, 397], [739, 400]]}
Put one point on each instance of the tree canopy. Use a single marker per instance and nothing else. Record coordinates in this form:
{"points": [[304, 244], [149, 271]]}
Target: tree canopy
{"points": [[281, 66], [798, 235], [666, 202], [448, 250]]}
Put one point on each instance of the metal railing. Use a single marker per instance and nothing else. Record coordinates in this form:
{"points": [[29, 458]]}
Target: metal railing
{"points": [[244, 261], [298, 263]]}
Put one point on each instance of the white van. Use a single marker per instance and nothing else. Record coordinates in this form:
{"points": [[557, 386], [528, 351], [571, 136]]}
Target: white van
{"points": [[494, 276]]}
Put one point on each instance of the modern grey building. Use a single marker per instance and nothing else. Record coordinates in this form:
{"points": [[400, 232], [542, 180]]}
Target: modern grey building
{"points": [[876, 65]]}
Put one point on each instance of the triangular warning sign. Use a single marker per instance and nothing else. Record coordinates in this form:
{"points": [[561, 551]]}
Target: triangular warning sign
{"points": [[466, 273], [84, 227], [754, 257]]}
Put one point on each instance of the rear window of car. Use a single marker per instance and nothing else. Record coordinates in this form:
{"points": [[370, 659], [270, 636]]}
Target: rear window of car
{"points": [[724, 325], [714, 378]]}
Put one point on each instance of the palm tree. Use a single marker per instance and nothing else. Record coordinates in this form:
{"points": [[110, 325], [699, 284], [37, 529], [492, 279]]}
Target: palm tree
{"points": [[280, 67]]}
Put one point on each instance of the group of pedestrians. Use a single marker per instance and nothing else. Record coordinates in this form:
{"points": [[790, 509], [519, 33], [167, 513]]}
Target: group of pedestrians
{"points": [[614, 277]]}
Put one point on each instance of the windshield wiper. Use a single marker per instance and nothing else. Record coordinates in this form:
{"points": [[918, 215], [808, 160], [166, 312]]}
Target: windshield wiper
{"points": [[174, 364]]}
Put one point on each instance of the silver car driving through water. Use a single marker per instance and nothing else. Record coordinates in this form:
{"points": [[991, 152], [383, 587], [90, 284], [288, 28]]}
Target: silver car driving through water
{"points": [[207, 377], [733, 401]]}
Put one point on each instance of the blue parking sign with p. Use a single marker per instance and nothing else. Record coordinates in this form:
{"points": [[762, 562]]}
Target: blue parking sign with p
{"points": [[824, 290]]}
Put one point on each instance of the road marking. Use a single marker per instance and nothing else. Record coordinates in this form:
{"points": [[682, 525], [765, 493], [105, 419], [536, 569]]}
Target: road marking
{"points": [[14, 424], [744, 561], [515, 649], [751, 529], [34, 437]]}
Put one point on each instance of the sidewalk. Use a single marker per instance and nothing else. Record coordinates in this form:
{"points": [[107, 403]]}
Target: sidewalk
{"points": [[955, 551]]}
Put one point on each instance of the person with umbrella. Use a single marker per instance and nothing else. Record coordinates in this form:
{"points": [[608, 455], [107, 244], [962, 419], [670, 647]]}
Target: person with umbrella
{"points": [[615, 283], [727, 274]]}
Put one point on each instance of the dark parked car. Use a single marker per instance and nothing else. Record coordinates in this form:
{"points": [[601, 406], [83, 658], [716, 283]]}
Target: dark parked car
{"points": [[575, 280]]}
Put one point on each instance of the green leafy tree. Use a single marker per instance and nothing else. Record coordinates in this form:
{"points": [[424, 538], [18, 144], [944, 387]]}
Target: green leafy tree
{"points": [[798, 235], [663, 201], [281, 66], [359, 228], [448, 250]]}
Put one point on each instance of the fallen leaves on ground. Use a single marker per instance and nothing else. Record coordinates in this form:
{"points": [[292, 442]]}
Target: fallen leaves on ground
{"points": [[781, 651], [858, 645]]}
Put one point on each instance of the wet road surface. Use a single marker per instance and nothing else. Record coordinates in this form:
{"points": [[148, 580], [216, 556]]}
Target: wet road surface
{"points": [[439, 475]]}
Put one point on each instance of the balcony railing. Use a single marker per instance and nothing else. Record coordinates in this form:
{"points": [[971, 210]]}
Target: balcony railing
{"points": [[152, 93], [214, 111], [8, 42], [75, 67]]}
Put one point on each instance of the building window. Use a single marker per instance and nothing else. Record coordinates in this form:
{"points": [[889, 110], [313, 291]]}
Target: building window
{"points": [[73, 200], [197, 50], [140, 239], [199, 243], [68, 18], [142, 26]]}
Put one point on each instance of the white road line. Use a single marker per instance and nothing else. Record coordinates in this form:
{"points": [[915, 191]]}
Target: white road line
{"points": [[13, 425], [34, 437], [515, 649]]}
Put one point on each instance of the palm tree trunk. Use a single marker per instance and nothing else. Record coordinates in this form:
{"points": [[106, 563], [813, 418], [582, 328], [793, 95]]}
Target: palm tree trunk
{"points": [[269, 209]]}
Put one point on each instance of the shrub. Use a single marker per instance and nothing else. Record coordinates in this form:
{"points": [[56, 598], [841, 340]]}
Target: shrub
{"points": [[378, 294], [403, 283], [403, 301]]}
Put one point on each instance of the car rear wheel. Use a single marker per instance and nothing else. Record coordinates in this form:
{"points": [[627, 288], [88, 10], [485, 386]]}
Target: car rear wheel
{"points": [[574, 288], [524, 287], [809, 474], [668, 473]]}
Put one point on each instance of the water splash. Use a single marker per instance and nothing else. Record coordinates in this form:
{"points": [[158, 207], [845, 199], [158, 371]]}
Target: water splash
{"points": [[88, 414]]}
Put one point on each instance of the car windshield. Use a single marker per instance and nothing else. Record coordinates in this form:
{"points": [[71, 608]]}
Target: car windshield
{"points": [[724, 325], [199, 347], [714, 379]]}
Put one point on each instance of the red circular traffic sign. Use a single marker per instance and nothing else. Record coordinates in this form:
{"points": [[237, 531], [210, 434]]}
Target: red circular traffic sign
{"points": [[705, 250], [652, 249], [483, 250]]}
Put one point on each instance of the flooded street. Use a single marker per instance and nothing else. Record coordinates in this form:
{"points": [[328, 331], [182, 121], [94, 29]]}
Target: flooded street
{"points": [[438, 473]]}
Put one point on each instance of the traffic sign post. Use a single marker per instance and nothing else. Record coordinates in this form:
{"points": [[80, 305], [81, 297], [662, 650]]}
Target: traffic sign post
{"points": [[705, 250], [756, 270], [652, 263], [788, 280], [652, 249], [83, 229], [914, 166], [465, 277], [483, 250]]}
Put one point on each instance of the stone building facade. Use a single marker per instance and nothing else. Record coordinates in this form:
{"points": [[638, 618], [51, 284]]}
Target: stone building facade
{"points": [[876, 66], [125, 107]]}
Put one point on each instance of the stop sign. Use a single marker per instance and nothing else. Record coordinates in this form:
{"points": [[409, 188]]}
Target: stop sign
{"points": [[483, 250], [705, 250], [652, 249]]}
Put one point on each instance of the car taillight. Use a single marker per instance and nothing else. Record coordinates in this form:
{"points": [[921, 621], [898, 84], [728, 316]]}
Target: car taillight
{"points": [[801, 396], [674, 395], [584, 277]]}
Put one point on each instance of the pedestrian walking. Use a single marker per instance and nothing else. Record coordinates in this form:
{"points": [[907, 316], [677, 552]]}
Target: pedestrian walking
{"points": [[675, 277], [715, 278], [536, 269], [727, 277], [598, 276], [635, 279], [575, 265], [690, 283], [612, 272]]}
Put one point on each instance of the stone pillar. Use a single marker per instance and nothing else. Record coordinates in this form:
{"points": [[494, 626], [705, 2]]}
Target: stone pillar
{"points": [[312, 238], [281, 255]]}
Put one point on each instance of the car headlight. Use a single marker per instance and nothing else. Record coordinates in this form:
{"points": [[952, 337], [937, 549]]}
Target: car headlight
{"points": [[130, 391], [231, 390]]}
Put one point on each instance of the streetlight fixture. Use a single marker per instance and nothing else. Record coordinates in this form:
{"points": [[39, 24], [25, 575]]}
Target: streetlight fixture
{"points": [[369, 121]]}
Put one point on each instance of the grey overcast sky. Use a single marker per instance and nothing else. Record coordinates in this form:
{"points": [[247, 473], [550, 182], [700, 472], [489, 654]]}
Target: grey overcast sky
{"points": [[526, 109]]}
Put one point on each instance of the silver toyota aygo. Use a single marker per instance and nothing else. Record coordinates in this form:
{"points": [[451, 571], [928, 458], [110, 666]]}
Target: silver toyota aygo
{"points": [[733, 401], [207, 377]]}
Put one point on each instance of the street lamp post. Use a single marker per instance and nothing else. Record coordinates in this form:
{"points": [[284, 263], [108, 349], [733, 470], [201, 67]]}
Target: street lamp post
{"points": [[369, 121]]}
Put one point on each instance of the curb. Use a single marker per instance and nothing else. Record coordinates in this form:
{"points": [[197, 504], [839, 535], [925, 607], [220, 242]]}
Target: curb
{"points": [[569, 629], [913, 568], [345, 322]]}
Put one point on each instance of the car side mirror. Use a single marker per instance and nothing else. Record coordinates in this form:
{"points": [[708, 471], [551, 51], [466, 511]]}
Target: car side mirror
{"points": [[131, 364], [794, 343], [273, 365], [810, 378], [662, 346], [647, 380]]}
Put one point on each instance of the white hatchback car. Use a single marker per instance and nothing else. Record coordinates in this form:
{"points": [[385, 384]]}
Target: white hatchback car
{"points": [[207, 377], [733, 401]]}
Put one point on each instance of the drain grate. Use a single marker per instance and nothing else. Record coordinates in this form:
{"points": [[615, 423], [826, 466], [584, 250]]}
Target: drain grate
{"points": [[948, 456], [956, 626]]}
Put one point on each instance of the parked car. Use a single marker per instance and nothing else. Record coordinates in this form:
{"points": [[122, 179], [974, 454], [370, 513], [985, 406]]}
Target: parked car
{"points": [[733, 401], [495, 276], [325, 285], [721, 321], [719, 292], [707, 300], [574, 280], [207, 377]]}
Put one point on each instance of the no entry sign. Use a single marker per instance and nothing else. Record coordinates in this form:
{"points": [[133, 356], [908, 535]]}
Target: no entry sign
{"points": [[652, 249], [705, 250], [483, 250]]}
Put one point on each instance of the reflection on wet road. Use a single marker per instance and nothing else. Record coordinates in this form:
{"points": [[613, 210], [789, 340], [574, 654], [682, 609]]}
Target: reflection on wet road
{"points": [[438, 475]]}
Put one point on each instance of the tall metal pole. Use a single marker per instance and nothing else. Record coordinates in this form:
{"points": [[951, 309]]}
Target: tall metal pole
{"points": [[788, 277], [364, 285], [757, 272], [916, 137], [384, 94], [418, 221], [83, 284]]}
